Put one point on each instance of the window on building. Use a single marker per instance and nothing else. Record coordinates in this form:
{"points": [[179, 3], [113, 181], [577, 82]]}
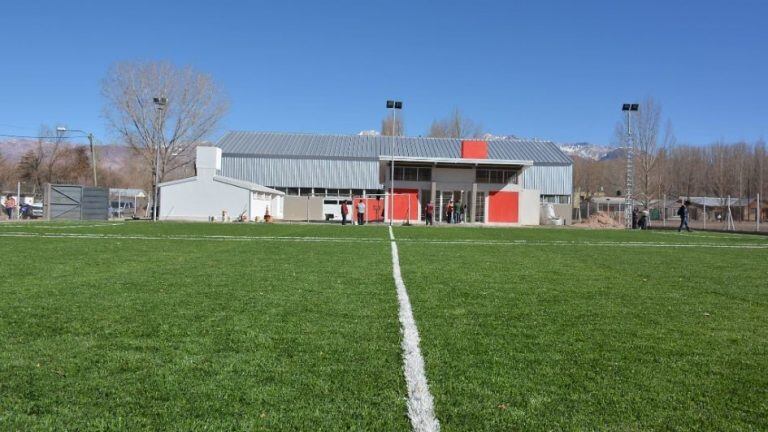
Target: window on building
{"points": [[292, 191], [496, 176], [480, 207], [413, 173], [556, 199]]}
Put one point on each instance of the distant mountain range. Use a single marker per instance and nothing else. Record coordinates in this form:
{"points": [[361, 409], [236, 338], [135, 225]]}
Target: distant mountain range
{"points": [[583, 150], [592, 151], [109, 156]]}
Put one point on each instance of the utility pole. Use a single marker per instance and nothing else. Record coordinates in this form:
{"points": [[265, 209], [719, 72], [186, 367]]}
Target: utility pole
{"points": [[61, 130], [160, 103]]}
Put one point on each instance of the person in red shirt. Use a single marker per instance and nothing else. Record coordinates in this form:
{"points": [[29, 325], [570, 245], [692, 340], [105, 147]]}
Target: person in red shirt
{"points": [[344, 212], [430, 213]]}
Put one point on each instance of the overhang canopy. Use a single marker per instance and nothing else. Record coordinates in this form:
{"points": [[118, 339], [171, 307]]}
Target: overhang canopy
{"points": [[458, 161]]}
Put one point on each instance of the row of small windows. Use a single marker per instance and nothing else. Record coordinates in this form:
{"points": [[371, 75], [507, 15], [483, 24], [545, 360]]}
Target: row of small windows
{"points": [[328, 192], [496, 176], [413, 173]]}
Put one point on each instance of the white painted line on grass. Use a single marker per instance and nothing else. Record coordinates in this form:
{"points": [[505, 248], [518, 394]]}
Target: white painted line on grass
{"points": [[467, 242], [420, 402]]}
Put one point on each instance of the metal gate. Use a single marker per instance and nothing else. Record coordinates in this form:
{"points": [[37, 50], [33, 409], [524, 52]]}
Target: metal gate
{"points": [[74, 202]]}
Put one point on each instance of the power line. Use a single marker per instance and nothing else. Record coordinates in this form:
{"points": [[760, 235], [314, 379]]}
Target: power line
{"points": [[42, 137]]}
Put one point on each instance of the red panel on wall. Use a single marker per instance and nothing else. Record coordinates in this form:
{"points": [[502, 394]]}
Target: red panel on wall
{"points": [[374, 208], [474, 149], [406, 200], [503, 206]]}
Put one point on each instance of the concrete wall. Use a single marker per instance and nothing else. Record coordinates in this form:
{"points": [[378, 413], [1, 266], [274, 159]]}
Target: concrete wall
{"points": [[298, 208], [529, 207], [564, 211]]}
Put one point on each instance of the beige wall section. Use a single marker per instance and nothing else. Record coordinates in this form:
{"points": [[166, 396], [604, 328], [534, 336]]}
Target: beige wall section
{"points": [[565, 212], [295, 208], [529, 207], [450, 176]]}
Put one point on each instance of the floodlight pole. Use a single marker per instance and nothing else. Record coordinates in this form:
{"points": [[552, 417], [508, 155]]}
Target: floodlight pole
{"points": [[392, 171], [629, 200], [394, 105]]}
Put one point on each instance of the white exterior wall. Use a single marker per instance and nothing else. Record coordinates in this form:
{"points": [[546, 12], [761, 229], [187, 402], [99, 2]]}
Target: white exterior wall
{"points": [[528, 212], [201, 198], [261, 202]]}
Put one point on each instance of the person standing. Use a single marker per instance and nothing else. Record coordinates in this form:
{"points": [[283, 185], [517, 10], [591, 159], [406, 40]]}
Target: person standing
{"points": [[634, 218], [10, 204], [344, 212], [361, 212], [430, 213], [683, 213], [457, 212], [449, 211]]}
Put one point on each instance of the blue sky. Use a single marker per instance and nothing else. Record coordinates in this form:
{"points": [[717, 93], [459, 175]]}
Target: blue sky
{"points": [[550, 69]]}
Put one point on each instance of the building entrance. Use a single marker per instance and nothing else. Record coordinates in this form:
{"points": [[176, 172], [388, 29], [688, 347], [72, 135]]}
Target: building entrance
{"points": [[458, 201]]}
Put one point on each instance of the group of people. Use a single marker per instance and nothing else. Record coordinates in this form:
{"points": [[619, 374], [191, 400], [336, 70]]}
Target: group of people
{"points": [[360, 207], [454, 212], [641, 219]]}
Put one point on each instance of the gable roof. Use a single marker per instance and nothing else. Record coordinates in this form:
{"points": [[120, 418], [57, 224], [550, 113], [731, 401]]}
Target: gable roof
{"points": [[296, 145], [227, 180]]}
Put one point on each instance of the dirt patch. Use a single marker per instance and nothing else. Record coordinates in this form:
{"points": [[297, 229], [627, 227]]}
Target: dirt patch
{"points": [[600, 220]]}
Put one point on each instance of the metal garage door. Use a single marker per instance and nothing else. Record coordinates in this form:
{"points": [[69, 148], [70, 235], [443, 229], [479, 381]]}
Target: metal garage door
{"points": [[74, 202]]}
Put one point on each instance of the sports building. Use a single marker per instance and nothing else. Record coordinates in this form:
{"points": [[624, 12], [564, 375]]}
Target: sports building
{"points": [[495, 181]]}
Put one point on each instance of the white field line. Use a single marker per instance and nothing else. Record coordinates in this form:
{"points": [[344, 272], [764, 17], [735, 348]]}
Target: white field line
{"points": [[724, 235], [468, 242], [420, 402], [39, 226]]}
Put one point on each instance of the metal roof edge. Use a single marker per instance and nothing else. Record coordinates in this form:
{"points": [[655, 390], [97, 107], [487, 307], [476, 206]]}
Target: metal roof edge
{"points": [[246, 185], [385, 158]]}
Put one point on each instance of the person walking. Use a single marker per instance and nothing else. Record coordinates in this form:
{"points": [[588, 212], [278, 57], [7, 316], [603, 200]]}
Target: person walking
{"points": [[344, 212], [683, 213], [10, 204], [361, 212], [430, 213]]}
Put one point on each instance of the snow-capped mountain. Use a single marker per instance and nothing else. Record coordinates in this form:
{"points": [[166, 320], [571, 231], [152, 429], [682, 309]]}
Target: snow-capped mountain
{"points": [[588, 151]]}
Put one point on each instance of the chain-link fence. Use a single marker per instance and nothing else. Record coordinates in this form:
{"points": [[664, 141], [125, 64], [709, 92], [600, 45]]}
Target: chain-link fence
{"points": [[710, 213]]}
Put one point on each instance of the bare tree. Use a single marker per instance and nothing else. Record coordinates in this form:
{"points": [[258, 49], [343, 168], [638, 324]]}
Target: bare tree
{"points": [[195, 106], [386, 126], [456, 125]]}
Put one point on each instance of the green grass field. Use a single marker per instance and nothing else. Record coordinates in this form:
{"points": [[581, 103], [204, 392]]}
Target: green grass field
{"points": [[140, 326]]}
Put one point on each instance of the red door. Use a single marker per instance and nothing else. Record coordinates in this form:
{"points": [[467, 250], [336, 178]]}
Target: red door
{"points": [[503, 207]]}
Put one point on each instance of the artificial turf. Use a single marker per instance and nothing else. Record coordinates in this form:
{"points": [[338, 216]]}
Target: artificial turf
{"points": [[132, 326], [585, 337], [124, 334]]}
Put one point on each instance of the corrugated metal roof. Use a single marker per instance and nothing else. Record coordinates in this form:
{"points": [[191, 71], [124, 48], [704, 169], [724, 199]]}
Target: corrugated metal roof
{"points": [[371, 147]]}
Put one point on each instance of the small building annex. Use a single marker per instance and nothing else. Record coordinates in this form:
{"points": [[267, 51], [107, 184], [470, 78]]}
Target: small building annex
{"points": [[210, 195]]}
